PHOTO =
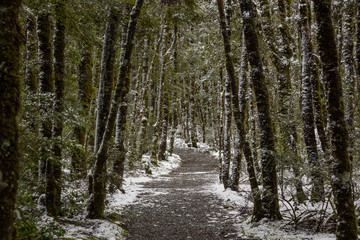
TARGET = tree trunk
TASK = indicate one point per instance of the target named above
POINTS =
(165, 109)
(270, 196)
(317, 192)
(258, 212)
(46, 88)
(174, 111)
(242, 91)
(145, 102)
(341, 169)
(227, 134)
(85, 95)
(357, 49)
(97, 201)
(53, 166)
(120, 134)
(30, 81)
(10, 98)
(192, 116)
(160, 93)
(349, 77)
(107, 76)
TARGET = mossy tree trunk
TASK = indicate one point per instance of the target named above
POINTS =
(192, 115)
(121, 119)
(106, 76)
(357, 46)
(96, 203)
(270, 190)
(85, 95)
(341, 169)
(164, 122)
(258, 212)
(53, 165)
(174, 110)
(349, 71)
(242, 91)
(31, 109)
(46, 89)
(228, 110)
(160, 95)
(281, 55)
(317, 192)
(10, 98)
(145, 102)
(30, 80)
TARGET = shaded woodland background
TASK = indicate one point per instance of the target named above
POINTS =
(272, 85)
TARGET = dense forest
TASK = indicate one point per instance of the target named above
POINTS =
(95, 92)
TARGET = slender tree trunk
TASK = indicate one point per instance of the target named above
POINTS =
(85, 95)
(349, 77)
(192, 116)
(341, 169)
(174, 111)
(106, 76)
(281, 56)
(270, 196)
(30, 81)
(97, 200)
(258, 212)
(145, 102)
(243, 86)
(46, 88)
(119, 162)
(165, 110)
(253, 131)
(53, 166)
(227, 135)
(357, 47)
(164, 127)
(220, 118)
(31, 111)
(160, 92)
(317, 192)
(10, 98)
(318, 102)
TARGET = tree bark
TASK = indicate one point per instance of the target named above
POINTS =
(10, 98)
(270, 196)
(85, 95)
(242, 91)
(106, 76)
(160, 93)
(258, 212)
(349, 74)
(46, 89)
(121, 119)
(341, 170)
(317, 192)
(53, 166)
(97, 201)
(30, 81)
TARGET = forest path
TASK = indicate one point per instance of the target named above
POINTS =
(180, 205)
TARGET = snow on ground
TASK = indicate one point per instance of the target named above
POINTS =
(133, 180)
(265, 230)
(79, 227)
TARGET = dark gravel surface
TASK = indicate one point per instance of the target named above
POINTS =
(180, 205)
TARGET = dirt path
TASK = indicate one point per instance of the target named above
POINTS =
(180, 205)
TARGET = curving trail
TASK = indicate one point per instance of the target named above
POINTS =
(180, 205)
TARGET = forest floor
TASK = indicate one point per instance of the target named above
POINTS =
(190, 203)
(179, 205)
(183, 199)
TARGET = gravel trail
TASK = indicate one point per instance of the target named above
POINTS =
(180, 205)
